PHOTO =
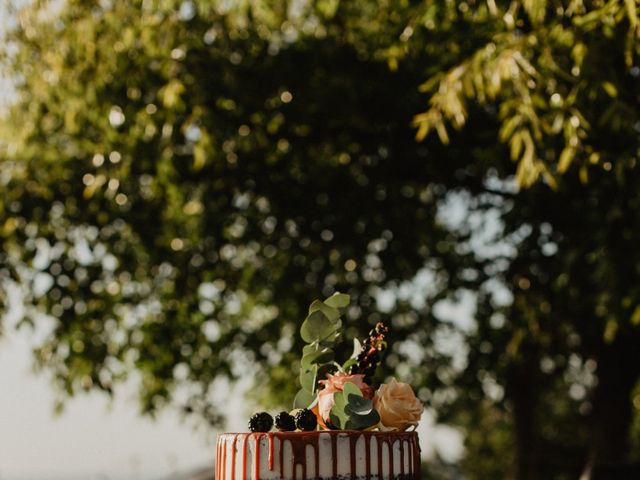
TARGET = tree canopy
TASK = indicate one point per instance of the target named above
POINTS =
(180, 179)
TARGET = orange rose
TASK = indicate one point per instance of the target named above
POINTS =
(397, 405)
(335, 383)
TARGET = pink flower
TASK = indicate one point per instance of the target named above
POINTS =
(335, 383)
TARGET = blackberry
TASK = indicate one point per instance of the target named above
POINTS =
(260, 422)
(285, 422)
(306, 420)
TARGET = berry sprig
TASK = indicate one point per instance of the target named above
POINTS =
(371, 354)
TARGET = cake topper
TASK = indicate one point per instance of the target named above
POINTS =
(340, 396)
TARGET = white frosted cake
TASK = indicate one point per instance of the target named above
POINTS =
(315, 455)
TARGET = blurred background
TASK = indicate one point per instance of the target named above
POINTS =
(180, 179)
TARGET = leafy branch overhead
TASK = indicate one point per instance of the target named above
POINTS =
(320, 330)
(544, 81)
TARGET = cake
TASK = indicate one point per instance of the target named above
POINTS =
(326, 454)
(341, 426)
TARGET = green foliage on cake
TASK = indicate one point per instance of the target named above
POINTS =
(341, 394)
(320, 330)
(351, 411)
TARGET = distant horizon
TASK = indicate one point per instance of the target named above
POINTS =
(112, 439)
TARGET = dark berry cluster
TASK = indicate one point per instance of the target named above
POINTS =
(303, 419)
(285, 422)
(260, 422)
(306, 420)
(372, 349)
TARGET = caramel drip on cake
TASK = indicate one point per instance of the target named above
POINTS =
(317, 454)
(233, 457)
(256, 460)
(379, 445)
(352, 457)
(270, 437)
(412, 450)
(416, 456)
(390, 448)
(334, 456)
(244, 457)
(220, 440)
(367, 455)
(299, 451)
(224, 461)
(282, 458)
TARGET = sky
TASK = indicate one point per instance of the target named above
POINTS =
(93, 439)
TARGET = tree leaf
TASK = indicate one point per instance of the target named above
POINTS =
(566, 157)
(536, 10)
(632, 13)
(610, 88)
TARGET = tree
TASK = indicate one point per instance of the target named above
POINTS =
(181, 179)
(180, 188)
(562, 79)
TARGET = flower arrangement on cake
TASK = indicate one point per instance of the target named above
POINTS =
(345, 399)
(342, 426)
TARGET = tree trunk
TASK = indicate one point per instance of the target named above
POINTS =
(618, 370)
(524, 399)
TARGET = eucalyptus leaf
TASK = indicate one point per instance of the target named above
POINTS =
(308, 380)
(351, 410)
(316, 327)
(330, 312)
(339, 401)
(338, 300)
(337, 415)
(350, 389)
(315, 358)
(348, 363)
(359, 406)
(307, 349)
(338, 327)
(362, 422)
(336, 421)
(303, 399)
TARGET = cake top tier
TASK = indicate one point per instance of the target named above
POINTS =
(388, 436)
(329, 454)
